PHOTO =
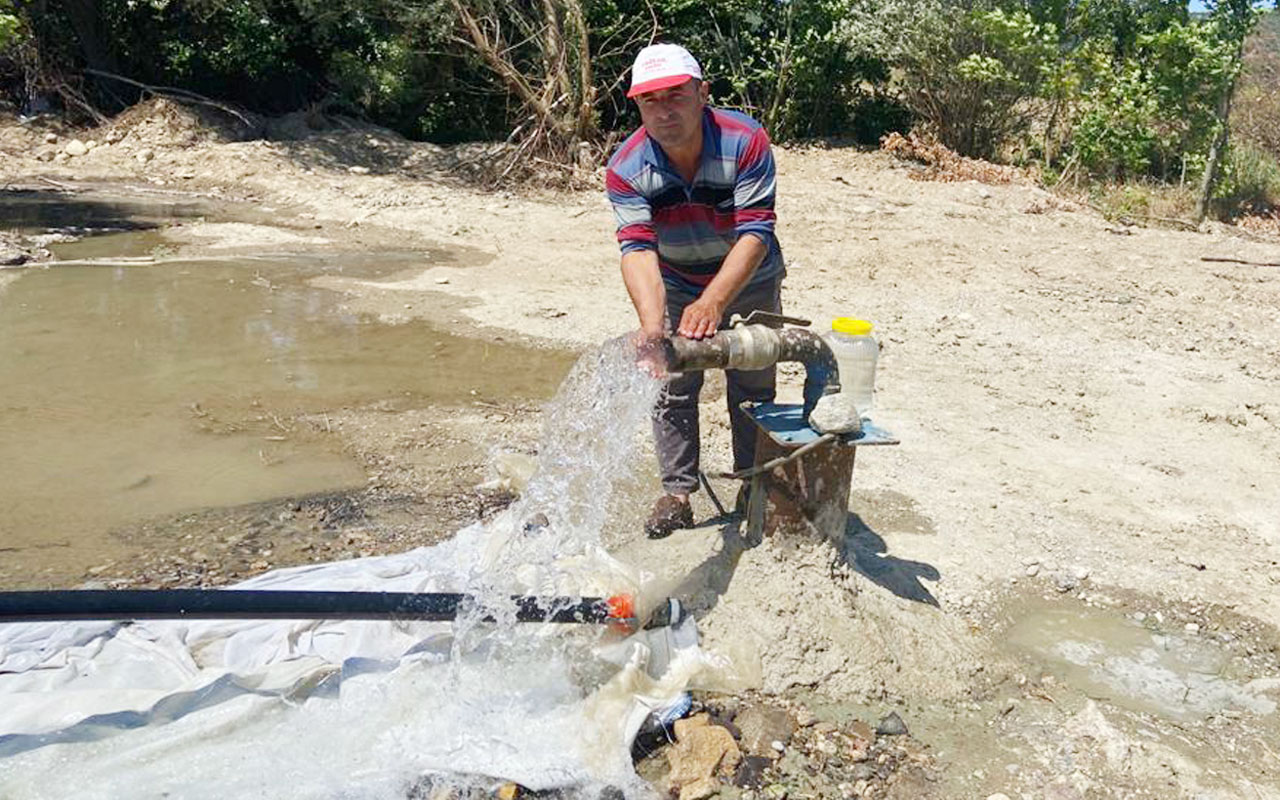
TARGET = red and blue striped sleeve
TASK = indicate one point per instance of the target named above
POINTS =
(753, 194)
(633, 213)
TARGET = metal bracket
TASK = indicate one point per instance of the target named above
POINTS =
(767, 319)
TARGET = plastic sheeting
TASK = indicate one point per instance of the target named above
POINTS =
(336, 709)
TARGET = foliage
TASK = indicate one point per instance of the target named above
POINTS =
(966, 69)
(1250, 182)
(786, 63)
(1255, 114)
(9, 23)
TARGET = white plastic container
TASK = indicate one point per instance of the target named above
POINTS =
(856, 352)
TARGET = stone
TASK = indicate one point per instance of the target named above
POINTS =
(1191, 628)
(75, 147)
(892, 725)
(835, 413)
(113, 136)
(805, 717)
(761, 726)
(358, 170)
(750, 771)
(61, 158)
(12, 257)
(701, 751)
(862, 730)
(51, 138)
(699, 789)
(1033, 570)
(509, 791)
(998, 796)
(144, 155)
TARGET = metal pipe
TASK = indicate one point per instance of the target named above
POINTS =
(45, 606)
(756, 347)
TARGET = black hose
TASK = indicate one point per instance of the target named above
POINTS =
(43, 606)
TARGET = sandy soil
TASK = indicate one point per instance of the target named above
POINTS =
(1089, 415)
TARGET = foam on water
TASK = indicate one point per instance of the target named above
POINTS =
(363, 709)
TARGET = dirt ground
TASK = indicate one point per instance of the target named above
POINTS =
(1089, 415)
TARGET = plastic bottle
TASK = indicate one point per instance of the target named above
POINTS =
(856, 351)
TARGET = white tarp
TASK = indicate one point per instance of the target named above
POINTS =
(310, 709)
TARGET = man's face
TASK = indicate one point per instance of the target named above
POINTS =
(673, 117)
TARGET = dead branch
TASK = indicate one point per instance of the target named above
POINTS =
(181, 95)
(1241, 261)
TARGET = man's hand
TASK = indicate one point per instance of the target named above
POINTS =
(651, 354)
(701, 318)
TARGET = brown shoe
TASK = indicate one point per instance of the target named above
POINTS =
(668, 514)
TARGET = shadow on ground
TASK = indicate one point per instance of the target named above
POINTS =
(866, 551)
(863, 549)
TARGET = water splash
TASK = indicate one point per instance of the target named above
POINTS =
(368, 712)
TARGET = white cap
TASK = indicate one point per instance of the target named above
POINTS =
(661, 66)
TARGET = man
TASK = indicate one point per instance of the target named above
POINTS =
(693, 191)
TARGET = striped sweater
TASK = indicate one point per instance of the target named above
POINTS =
(693, 225)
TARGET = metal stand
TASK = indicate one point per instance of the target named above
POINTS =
(802, 478)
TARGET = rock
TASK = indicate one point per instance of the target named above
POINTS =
(358, 170)
(75, 147)
(12, 257)
(1033, 570)
(761, 726)
(508, 791)
(835, 413)
(699, 789)
(805, 717)
(61, 158)
(442, 281)
(1066, 583)
(892, 725)
(113, 136)
(51, 138)
(750, 773)
(91, 144)
(144, 155)
(1081, 573)
(862, 730)
(699, 755)
(998, 796)
(702, 751)
(1191, 628)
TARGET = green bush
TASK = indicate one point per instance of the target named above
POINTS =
(1250, 181)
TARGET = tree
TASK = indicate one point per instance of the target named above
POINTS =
(1233, 20)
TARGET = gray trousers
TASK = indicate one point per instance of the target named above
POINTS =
(675, 420)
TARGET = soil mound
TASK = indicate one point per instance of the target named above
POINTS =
(165, 123)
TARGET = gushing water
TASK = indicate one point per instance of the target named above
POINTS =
(363, 709)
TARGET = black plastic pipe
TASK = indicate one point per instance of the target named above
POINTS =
(45, 606)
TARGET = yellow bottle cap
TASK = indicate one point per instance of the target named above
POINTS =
(853, 327)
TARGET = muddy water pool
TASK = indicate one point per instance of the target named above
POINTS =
(137, 391)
